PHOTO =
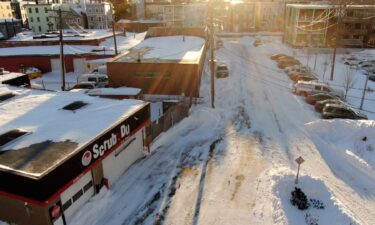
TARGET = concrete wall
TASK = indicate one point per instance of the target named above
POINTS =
(157, 78)
(12, 63)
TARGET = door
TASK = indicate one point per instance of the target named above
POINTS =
(55, 65)
(124, 156)
(79, 65)
(76, 195)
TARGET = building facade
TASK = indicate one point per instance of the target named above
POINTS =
(329, 25)
(99, 15)
(40, 18)
(6, 10)
(9, 28)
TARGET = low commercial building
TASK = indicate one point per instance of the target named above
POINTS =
(169, 65)
(50, 167)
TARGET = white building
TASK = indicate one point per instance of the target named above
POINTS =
(99, 15)
(40, 18)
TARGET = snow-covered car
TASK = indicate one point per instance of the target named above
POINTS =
(219, 44)
(297, 68)
(331, 111)
(257, 42)
(319, 105)
(222, 71)
(306, 88)
(100, 80)
(284, 62)
(351, 61)
(304, 78)
(312, 99)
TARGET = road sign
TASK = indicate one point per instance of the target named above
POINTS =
(300, 160)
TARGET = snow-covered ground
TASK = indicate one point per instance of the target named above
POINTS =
(235, 164)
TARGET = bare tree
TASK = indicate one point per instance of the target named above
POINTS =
(349, 80)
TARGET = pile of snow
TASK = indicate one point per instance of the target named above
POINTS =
(316, 191)
(354, 138)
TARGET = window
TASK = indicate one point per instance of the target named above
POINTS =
(36, 10)
(75, 105)
(40, 28)
(10, 136)
(326, 89)
(358, 26)
(47, 19)
(45, 9)
(317, 88)
(37, 19)
(31, 19)
(30, 10)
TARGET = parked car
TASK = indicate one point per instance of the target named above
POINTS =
(222, 71)
(257, 42)
(277, 56)
(312, 99)
(286, 62)
(319, 105)
(304, 77)
(296, 75)
(331, 111)
(306, 88)
(100, 80)
(219, 44)
(297, 68)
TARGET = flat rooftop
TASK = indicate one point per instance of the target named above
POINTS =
(53, 134)
(166, 49)
(128, 91)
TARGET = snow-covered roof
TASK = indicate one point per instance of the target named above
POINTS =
(9, 75)
(183, 49)
(60, 133)
(140, 21)
(126, 91)
(89, 35)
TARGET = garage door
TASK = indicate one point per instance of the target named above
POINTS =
(76, 195)
(55, 65)
(79, 66)
(123, 157)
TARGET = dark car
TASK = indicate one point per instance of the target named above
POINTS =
(257, 42)
(276, 56)
(319, 105)
(222, 71)
(312, 99)
(331, 111)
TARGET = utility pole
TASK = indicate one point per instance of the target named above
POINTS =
(62, 61)
(114, 36)
(364, 92)
(212, 62)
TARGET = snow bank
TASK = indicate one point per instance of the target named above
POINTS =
(348, 135)
(314, 189)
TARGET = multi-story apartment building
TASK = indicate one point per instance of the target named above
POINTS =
(6, 10)
(99, 15)
(176, 15)
(328, 25)
(93, 15)
(40, 18)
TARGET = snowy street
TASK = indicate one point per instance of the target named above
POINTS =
(235, 164)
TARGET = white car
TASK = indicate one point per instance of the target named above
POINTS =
(306, 88)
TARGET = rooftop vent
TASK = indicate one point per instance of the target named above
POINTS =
(10, 136)
(75, 105)
(6, 95)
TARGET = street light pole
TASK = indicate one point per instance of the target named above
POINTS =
(62, 61)
(212, 62)
(114, 36)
